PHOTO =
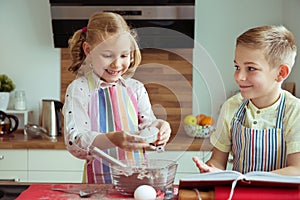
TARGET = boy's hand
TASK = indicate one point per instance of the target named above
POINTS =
(204, 167)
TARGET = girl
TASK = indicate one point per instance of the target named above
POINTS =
(104, 103)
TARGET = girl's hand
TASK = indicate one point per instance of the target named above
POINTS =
(126, 141)
(204, 167)
(164, 131)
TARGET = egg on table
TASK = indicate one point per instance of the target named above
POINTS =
(145, 192)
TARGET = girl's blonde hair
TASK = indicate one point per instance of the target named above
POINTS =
(277, 43)
(100, 26)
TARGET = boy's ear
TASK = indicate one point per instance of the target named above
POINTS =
(284, 71)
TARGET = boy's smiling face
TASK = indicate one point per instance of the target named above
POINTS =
(257, 80)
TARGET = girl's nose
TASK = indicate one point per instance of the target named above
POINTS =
(116, 63)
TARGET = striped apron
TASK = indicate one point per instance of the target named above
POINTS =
(112, 109)
(258, 150)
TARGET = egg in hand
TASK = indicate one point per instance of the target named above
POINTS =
(145, 192)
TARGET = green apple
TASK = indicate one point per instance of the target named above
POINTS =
(190, 119)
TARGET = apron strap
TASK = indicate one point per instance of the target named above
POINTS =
(281, 107)
(241, 111)
(279, 121)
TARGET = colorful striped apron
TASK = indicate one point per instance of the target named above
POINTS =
(258, 150)
(112, 109)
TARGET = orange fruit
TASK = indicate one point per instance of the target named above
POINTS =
(200, 117)
(207, 121)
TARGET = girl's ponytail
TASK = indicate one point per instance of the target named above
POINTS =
(76, 50)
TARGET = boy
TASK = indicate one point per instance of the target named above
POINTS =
(260, 125)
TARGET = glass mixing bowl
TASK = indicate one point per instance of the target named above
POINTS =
(159, 174)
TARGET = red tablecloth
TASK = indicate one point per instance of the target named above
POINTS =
(44, 192)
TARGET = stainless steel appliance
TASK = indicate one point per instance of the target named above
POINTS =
(51, 117)
(159, 23)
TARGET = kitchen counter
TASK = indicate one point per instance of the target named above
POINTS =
(182, 142)
(21, 141)
(178, 142)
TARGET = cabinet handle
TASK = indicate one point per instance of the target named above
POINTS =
(2, 157)
(10, 180)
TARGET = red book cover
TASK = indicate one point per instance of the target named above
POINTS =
(253, 185)
(254, 193)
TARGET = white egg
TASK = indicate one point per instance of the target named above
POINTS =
(145, 192)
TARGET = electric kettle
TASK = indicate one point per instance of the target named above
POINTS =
(8, 123)
(51, 117)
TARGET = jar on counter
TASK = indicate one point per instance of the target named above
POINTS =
(20, 100)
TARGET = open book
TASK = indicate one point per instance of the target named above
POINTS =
(224, 184)
(256, 178)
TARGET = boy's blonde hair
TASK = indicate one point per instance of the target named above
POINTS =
(277, 43)
(100, 26)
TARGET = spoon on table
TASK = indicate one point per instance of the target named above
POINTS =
(81, 193)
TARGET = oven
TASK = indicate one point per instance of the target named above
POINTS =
(159, 23)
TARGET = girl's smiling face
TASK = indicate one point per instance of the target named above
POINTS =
(111, 58)
(255, 77)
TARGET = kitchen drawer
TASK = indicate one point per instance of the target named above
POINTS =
(56, 160)
(17, 176)
(13, 159)
(54, 166)
(55, 176)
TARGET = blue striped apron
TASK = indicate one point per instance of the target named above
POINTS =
(258, 150)
(112, 109)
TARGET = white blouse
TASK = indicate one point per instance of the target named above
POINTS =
(77, 126)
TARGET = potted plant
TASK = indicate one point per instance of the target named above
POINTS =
(6, 86)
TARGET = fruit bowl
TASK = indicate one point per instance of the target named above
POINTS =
(198, 131)
(159, 174)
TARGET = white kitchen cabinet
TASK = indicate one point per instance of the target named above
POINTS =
(13, 165)
(57, 166)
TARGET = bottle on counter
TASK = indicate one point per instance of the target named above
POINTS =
(20, 100)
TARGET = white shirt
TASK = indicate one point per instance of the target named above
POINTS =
(77, 127)
(259, 119)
